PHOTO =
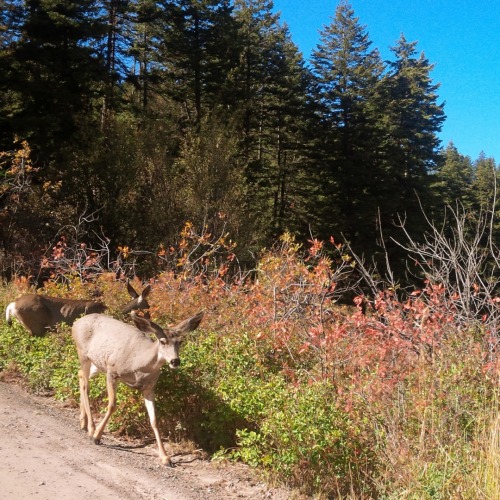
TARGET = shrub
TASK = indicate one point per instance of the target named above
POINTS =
(43, 361)
(311, 442)
(400, 402)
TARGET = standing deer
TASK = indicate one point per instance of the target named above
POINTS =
(123, 352)
(38, 313)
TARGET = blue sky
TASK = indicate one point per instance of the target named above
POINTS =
(460, 37)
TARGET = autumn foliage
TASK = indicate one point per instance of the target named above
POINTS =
(367, 399)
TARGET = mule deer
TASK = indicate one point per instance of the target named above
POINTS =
(37, 313)
(123, 352)
(138, 300)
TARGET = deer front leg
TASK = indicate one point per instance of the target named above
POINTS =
(150, 407)
(86, 421)
(83, 416)
(111, 385)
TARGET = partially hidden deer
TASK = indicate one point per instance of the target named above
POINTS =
(38, 313)
(126, 353)
(138, 301)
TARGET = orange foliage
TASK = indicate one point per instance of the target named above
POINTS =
(288, 307)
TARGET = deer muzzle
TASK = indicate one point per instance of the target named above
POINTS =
(174, 363)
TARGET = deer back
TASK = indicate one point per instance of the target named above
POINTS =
(69, 310)
(38, 312)
(128, 352)
(117, 348)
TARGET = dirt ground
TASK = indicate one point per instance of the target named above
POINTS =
(45, 455)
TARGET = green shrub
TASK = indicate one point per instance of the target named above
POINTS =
(41, 360)
(351, 406)
(308, 440)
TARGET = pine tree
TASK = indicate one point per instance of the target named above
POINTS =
(346, 71)
(270, 83)
(11, 17)
(284, 121)
(196, 53)
(453, 181)
(410, 151)
(485, 182)
(145, 34)
(113, 45)
(255, 37)
(53, 72)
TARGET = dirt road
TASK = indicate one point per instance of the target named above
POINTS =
(44, 455)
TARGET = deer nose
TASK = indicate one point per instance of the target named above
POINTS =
(174, 363)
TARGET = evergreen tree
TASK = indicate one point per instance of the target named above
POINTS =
(147, 21)
(453, 180)
(485, 182)
(113, 45)
(283, 122)
(270, 83)
(53, 73)
(196, 53)
(410, 120)
(257, 25)
(11, 16)
(346, 71)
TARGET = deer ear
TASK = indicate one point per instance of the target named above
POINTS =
(147, 326)
(146, 291)
(188, 325)
(131, 290)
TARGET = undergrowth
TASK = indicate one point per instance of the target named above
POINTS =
(399, 402)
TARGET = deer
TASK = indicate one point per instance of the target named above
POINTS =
(138, 300)
(126, 353)
(38, 313)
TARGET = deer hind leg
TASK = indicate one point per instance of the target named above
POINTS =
(86, 420)
(37, 323)
(34, 326)
(150, 407)
(111, 385)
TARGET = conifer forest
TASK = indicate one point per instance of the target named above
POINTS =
(121, 121)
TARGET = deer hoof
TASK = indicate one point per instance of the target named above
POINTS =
(97, 440)
(167, 462)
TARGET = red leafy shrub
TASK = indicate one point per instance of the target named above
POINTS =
(330, 398)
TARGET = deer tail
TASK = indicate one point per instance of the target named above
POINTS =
(10, 311)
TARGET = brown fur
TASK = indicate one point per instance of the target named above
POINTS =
(38, 313)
